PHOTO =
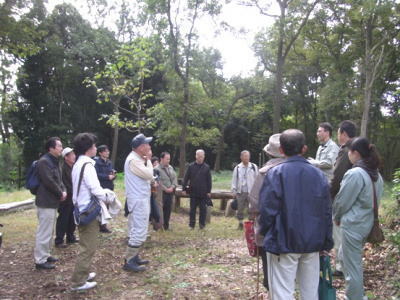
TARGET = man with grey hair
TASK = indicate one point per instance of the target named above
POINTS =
(197, 183)
(243, 178)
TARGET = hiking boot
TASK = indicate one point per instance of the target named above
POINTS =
(45, 266)
(86, 286)
(104, 229)
(52, 259)
(140, 261)
(133, 266)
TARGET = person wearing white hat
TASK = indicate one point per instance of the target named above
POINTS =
(275, 158)
(65, 221)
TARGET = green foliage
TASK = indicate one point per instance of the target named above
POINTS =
(10, 164)
(125, 78)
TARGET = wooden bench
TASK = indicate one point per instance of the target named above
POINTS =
(222, 195)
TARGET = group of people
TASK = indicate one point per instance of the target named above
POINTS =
(303, 208)
(290, 199)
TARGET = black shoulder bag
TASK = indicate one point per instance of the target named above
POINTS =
(91, 211)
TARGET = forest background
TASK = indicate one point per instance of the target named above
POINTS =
(125, 67)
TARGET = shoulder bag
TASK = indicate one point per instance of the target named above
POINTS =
(91, 211)
(376, 235)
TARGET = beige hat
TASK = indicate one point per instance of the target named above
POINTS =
(66, 151)
(272, 148)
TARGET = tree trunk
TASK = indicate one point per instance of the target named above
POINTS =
(368, 80)
(115, 137)
(220, 149)
(182, 138)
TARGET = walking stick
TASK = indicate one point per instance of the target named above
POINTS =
(258, 273)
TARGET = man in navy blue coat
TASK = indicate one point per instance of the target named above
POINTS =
(296, 218)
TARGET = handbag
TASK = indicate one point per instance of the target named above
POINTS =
(91, 211)
(250, 237)
(376, 235)
(209, 201)
(325, 289)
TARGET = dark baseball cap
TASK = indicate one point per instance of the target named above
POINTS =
(140, 139)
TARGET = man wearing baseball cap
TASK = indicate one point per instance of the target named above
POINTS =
(138, 176)
(65, 222)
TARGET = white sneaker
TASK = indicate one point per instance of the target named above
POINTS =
(91, 276)
(86, 286)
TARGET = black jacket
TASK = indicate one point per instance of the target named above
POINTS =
(342, 165)
(198, 177)
(67, 181)
(104, 168)
(51, 187)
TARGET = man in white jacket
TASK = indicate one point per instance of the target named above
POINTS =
(243, 178)
(138, 176)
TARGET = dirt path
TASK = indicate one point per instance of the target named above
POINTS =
(185, 264)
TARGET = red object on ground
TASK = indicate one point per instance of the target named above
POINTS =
(250, 237)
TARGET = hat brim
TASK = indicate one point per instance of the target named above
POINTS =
(148, 140)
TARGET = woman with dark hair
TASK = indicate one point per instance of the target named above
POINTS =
(88, 185)
(353, 211)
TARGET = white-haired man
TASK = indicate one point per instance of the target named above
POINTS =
(243, 178)
(197, 183)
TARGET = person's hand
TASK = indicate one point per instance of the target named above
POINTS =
(64, 196)
(337, 223)
(325, 253)
(111, 176)
(155, 184)
(209, 195)
(169, 190)
(184, 193)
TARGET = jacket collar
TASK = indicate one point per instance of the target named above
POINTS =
(297, 158)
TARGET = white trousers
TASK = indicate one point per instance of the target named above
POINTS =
(44, 234)
(138, 221)
(286, 269)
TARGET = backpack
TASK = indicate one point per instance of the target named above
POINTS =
(32, 178)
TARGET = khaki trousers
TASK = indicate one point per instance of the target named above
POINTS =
(44, 234)
(88, 242)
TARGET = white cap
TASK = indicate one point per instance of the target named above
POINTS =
(66, 151)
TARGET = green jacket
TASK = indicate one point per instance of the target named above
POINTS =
(167, 177)
(353, 205)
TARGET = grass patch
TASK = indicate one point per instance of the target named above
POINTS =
(15, 196)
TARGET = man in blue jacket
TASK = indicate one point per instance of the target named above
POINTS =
(296, 218)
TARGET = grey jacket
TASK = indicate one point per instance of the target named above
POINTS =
(326, 157)
(353, 205)
(51, 186)
(167, 177)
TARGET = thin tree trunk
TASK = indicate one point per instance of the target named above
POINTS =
(115, 137)
(220, 149)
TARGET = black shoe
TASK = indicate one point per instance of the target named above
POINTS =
(133, 266)
(52, 259)
(140, 261)
(338, 273)
(104, 229)
(74, 241)
(45, 266)
(201, 227)
(61, 245)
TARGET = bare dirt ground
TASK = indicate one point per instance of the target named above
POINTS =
(185, 264)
